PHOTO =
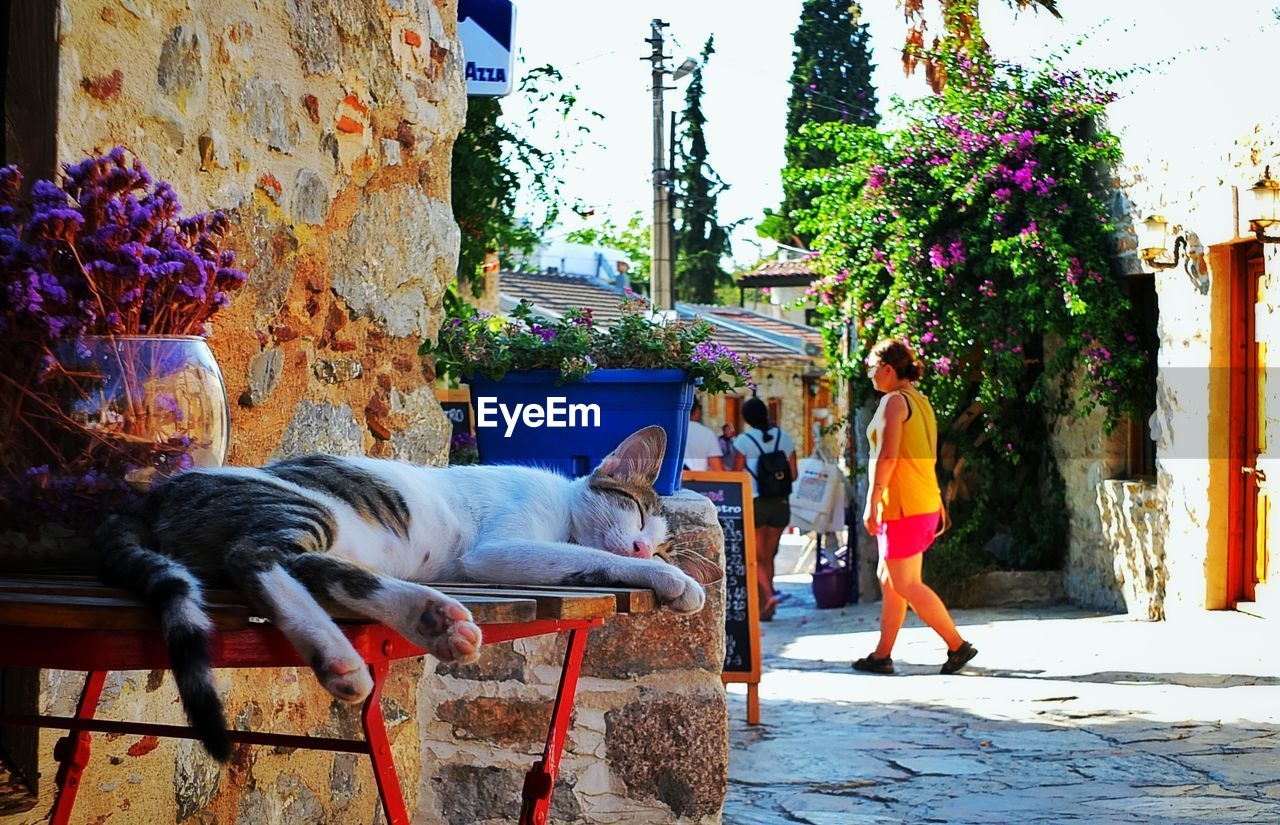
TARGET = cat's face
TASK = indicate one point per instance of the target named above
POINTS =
(618, 510)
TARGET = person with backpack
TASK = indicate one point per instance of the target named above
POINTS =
(904, 505)
(769, 455)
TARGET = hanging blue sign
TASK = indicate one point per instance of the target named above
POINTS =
(485, 28)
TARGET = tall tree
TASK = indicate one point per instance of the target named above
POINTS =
(701, 241)
(831, 81)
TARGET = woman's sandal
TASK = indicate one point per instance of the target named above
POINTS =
(958, 658)
(870, 664)
(766, 612)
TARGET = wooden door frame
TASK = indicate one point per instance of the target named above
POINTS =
(1242, 431)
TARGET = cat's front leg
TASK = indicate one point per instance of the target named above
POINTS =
(517, 561)
(437, 623)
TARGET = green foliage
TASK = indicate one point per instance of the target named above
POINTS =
(830, 83)
(576, 346)
(633, 239)
(493, 158)
(701, 241)
(978, 231)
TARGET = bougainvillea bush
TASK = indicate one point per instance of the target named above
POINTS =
(978, 230)
(105, 251)
(575, 346)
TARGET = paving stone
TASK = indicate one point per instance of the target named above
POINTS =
(1066, 716)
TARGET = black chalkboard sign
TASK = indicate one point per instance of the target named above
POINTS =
(731, 493)
(459, 415)
(456, 404)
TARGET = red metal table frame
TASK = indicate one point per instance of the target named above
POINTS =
(98, 651)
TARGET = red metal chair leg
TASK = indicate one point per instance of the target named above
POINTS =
(72, 750)
(384, 767)
(540, 781)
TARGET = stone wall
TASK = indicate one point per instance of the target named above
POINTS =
(1195, 170)
(649, 741)
(324, 129)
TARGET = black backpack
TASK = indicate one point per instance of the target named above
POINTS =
(773, 471)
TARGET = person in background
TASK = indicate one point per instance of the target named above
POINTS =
(772, 505)
(727, 454)
(904, 506)
(701, 447)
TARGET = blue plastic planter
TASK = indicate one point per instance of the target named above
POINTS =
(627, 400)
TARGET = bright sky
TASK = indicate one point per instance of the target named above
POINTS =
(600, 45)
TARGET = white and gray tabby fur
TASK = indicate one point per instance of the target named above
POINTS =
(357, 532)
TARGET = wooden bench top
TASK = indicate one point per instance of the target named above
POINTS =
(79, 601)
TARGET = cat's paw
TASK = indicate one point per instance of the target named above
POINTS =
(678, 591)
(445, 630)
(346, 677)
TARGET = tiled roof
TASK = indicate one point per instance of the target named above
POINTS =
(557, 294)
(766, 323)
(779, 273)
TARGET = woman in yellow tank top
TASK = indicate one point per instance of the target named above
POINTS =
(904, 505)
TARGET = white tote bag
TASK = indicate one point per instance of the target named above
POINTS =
(818, 492)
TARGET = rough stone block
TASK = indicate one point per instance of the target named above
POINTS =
(390, 264)
(662, 747)
(1008, 588)
(268, 110)
(310, 197)
(499, 663)
(337, 370)
(181, 70)
(319, 427)
(505, 722)
(265, 369)
(470, 794)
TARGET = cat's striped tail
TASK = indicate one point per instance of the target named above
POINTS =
(170, 589)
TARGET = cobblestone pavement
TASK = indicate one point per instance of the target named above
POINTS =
(1064, 716)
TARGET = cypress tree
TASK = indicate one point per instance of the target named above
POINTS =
(701, 242)
(831, 81)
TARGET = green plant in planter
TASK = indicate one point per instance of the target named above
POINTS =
(978, 229)
(575, 346)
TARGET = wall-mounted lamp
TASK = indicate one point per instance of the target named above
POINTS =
(1153, 243)
(1266, 202)
(1153, 248)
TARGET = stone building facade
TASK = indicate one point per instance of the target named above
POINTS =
(1196, 137)
(324, 129)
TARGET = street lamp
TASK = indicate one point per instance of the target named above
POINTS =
(660, 286)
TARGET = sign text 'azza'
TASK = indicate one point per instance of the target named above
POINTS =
(486, 29)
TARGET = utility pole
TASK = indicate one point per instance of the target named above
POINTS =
(660, 289)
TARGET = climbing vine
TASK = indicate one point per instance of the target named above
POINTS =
(978, 229)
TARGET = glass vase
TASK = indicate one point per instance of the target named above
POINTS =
(140, 408)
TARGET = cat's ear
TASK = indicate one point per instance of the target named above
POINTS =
(640, 455)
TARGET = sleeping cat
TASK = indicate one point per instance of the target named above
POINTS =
(356, 532)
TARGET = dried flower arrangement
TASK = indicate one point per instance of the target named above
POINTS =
(103, 252)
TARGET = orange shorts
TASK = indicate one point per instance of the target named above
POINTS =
(902, 538)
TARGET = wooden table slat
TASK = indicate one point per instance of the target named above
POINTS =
(93, 613)
(111, 609)
(551, 604)
(489, 603)
(627, 599)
